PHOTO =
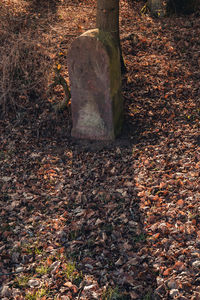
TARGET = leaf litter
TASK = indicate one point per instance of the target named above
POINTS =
(94, 220)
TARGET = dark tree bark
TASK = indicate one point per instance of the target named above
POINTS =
(107, 19)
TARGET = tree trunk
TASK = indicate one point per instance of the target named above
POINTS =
(107, 19)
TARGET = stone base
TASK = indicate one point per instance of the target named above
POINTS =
(158, 8)
(95, 79)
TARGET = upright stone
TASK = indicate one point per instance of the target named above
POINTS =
(95, 79)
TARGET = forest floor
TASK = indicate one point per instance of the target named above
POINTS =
(106, 220)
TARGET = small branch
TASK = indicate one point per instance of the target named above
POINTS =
(14, 272)
(59, 80)
(81, 290)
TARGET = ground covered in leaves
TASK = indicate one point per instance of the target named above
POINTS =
(121, 220)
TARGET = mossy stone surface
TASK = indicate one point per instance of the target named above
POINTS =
(95, 79)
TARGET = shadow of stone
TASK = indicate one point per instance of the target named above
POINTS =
(44, 7)
(198, 140)
(109, 242)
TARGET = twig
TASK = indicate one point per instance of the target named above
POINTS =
(81, 290)
(14, 272)
(59, 80)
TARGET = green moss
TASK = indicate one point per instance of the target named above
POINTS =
(115, 80)
(33, 248)
(42, 270)
(21, 281)
(117, 113)
(71, 272)
(114, 294)
(35, 295)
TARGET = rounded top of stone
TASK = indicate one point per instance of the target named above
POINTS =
(98, 34)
